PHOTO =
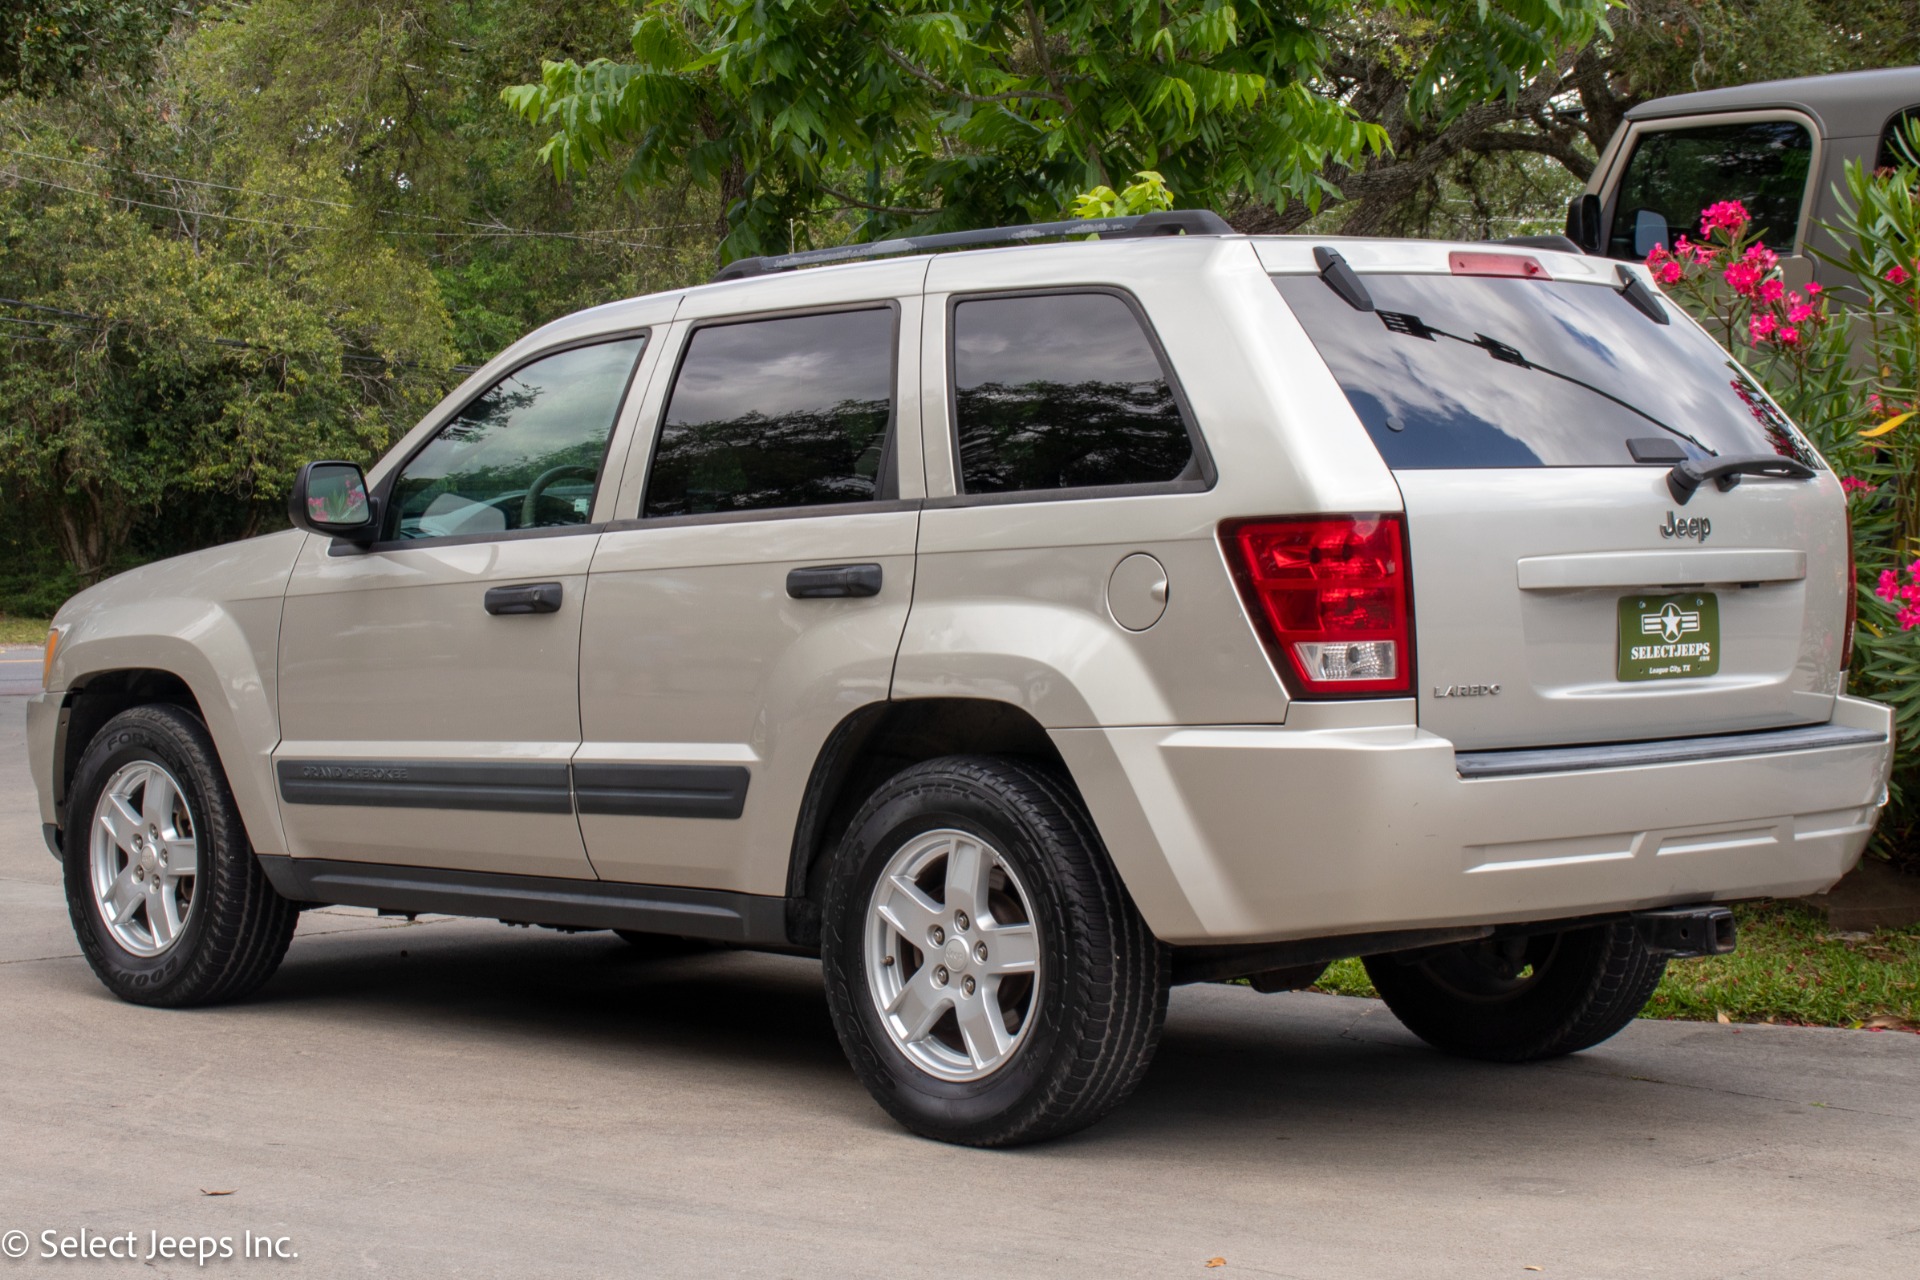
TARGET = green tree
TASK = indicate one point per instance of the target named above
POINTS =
(47, 46)
(936, 116)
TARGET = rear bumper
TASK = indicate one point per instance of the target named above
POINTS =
(1258, 834)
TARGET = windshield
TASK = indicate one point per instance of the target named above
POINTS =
(1481, 371)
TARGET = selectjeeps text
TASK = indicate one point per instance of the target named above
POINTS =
(1022, 631)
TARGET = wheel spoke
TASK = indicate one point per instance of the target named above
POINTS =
(984, 1027)
(163, 916)
(183, 856)
(121, 822)
(1011, 948)
(122, 896)
(156, 806)
(911, 912)
(919, 1005)
(967, 868)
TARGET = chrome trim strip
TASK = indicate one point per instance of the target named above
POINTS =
(1630, 755)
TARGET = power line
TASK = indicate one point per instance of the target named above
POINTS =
(494, 229)
(108, 321)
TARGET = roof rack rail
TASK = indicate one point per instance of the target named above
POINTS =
(1193, 222)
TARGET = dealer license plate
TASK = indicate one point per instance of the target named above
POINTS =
(1669, 637)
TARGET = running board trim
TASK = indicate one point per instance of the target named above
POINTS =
(1629, 755)
(745, 919)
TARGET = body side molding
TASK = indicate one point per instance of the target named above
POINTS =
(647, 790)
(662, 790)
(416, 784)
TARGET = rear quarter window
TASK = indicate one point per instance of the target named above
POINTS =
(1475, 371)
(1065, 390)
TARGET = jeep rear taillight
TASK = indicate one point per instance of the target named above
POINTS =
(1853, 604)
(1330, 597)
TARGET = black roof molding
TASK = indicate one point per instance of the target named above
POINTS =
(1171, 222)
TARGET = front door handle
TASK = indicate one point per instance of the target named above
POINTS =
(530, 597)
(825, 581)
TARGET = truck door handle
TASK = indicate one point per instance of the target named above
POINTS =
(824, 581)
(529, 597)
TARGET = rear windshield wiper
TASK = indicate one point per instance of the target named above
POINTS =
(1413, 326)
(1726, 472)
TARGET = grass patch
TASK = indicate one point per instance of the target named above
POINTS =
(22, 630)
(1790, 968)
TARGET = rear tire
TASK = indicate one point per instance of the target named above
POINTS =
(989, 978)
(168, 902)
(1523, 999)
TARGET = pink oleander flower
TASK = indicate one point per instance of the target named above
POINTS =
(1657, 255)
(1813, 288)
(1742, 277)
(1759, 255)
(1789, 335)
(1854, 484)
(1669, 273)
(1761, 325)
(1730, 214)
(1906, 595)
(1772, 291)
(1897, 275)
(1801, 314)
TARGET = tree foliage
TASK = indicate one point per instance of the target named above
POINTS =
(948, 115)
(286, 241)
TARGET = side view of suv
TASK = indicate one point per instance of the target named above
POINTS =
(1023, 631)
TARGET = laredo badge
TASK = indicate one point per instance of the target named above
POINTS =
(1669, 637)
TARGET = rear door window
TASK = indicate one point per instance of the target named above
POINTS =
(1062, 391)
(1677, 173)
(1895, 142)
(790, 411)
(1481, 371)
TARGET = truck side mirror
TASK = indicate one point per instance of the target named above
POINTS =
(1650, 231)
(331, 499)
(1583, 222)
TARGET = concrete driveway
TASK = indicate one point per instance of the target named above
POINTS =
(462, 1099)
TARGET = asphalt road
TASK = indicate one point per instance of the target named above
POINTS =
(454, 1098)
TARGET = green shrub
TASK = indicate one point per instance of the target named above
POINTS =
(1846, 369)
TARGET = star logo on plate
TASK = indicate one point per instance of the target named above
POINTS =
(1670, 623)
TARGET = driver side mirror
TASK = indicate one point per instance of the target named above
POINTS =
(331, 499)
(1649, 231)
(1583, 222)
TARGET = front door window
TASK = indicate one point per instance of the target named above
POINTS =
(1674, 174)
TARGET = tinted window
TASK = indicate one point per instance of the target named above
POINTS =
(1061, 391)
(1477, 371)
(776, 413)
(525, 454)
(1677, 173)
(1895, 140)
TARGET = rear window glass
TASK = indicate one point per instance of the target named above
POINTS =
(1479, 371)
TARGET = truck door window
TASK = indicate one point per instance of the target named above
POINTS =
(1893, 140)
(1677, 173)
(524, 454)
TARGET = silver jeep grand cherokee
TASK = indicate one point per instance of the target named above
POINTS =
(1022, 631)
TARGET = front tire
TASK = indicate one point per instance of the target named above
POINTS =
(168, 902)
(989, 978)
(1523, 999)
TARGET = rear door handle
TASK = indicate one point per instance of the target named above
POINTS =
(529, 597)
(825, 581)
